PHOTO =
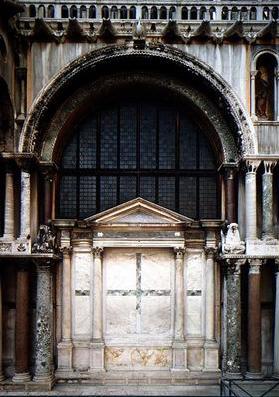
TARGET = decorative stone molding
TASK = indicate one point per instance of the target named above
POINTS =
(97, 252)
(179, 252)
(30, 141)
(269, 166)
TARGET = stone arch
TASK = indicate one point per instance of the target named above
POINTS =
(220, 106)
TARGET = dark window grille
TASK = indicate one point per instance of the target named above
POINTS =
(120, 152)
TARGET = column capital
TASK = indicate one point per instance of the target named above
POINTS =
(210, 251)
(97, 252)
(233, 266)
(48, 171)
(253, 74)
(66, 250)
(276, 262)
(255, 266)
(179, 252)
(43, 265)
(252, 165)
(269, 166)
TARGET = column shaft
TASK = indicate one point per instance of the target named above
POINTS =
(254, 319)
(276, 325)
(209, 322)
(66, 297)
(22, 327)
(179, 295)
(48, 199)
(230, 196)
(97, 295)
(253, 95)
(25, 210)
(44, 321)
(2, 377)
(267, 200)
(233, 327)
(251, 201)
(9, 225)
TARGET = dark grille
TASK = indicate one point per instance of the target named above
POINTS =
(134, 149)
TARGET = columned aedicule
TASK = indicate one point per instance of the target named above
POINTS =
(233, 318)
(276, 324)
(267, 200)
(179, 344)
(251, 199)
(44, 325)
(97, 344)
(22, 327)
(254, 319)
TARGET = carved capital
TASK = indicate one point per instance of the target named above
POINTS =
(66, 251)
(276, 262)
(179, 253)
(253, 74)
(255, 266)
(233, 266)
(210, 252)
(252, 165)
(269, 166)
(97, 252)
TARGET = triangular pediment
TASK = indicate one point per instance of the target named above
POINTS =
(138, 211)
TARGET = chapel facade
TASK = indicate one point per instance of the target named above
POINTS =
(139, 197)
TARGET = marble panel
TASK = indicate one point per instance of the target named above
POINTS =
(194, 315)
(156, 269)
(156, 315)
(120, 315)
(121, 274)
(195, 359)
(83, 263)
(194, 267)
(82, 315)
(137, 358)
(81, 358)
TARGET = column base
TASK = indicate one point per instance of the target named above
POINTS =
(233, 375)
(179, 357)
(21, 377)
(43, 382)
(97, 361)
(253, 375)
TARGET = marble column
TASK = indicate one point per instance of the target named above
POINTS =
(251, 199)
(97, 345)
(254, 319)
(230, 196)
(276, 323)
(65, 347)
(22, 326)
(267, 200)
(48, 174)
(44, 326)
(2, 377)
(179, 344)
(25, 198)
(276, 97)
(9, 222)
(253, 95)
(233, 325)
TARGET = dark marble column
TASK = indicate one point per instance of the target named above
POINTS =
(48, 172)
(44, 325)
(233, 318)
(254, 319)
(22, 326)
(230, 194)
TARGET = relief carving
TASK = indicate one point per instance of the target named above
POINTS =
(231, 242)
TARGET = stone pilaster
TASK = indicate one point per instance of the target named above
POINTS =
(267, 200)
(2, 377)
(253, 95)
(97, 345)
(9, 222)
(44, 326)
(254, 319)
(22, 327)
(251, 199)
(179, 344)
(211, 347)
(276, 323)
(65, 347)
(233, 318)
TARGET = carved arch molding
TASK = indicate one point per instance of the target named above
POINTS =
(105, 71)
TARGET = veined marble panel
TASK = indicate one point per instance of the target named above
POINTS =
(121, 274)
(121, 315)
(82, 320)
(161, 263)
(137, 358)
(156, 315)
(194, 315)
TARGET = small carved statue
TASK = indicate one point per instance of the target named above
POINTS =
(46, 240)
(262, 94)
(231, 242)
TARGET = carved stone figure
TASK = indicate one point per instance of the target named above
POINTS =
(46, 240)
(231, 242)
(262, 93)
